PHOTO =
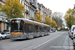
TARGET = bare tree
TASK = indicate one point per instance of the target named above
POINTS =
(57, 16)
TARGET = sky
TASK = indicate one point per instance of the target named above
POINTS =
(58, 5)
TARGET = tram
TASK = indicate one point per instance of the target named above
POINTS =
(24, 28)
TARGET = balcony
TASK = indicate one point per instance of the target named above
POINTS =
(2, 1)
(32, 4)
(27, 12)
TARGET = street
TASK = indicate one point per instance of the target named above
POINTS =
(55, 41)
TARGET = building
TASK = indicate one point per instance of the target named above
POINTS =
(26, 7)
(40, 9)
(33, 8)
(44, 12)
(30, 8)
(3, 26)
(47, 12)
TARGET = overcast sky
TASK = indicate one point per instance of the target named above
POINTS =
(58, 5)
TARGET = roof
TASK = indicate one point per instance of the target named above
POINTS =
(27, 20)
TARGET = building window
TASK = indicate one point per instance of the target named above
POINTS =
(33, 0)
(20, 1)
(2, 13)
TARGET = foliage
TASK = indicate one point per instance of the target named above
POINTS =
(13, 8)
(57, 17)
(3, 20)
(38, 17)
(0, 8)
(47, 20)
(68, 17)
(53, 24)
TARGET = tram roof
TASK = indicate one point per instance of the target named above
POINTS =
(31, 21)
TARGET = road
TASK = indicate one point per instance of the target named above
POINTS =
(54, 41)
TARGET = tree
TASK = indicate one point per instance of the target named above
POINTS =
(53, 24)
(0, 8)
(47, 21)
(13, 9)
(57, 17)
(38, 17)
(69, 17)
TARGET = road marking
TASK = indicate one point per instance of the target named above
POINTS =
(44, 42)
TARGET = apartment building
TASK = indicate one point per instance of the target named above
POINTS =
(26, 7)
(40, 9)
(30, 8)
(3, 26)
(44, 12)
(33, 8)
(47, 12)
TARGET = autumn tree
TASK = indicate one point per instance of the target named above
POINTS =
(13, 9)
(69, 17)
(47, 20)
(38, 17)
(53, 24)
(57, 17)
(0, 8)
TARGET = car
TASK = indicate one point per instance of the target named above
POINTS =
(5, 35)
(72, 30)
(74, 38)
(6, 31)
(2, 35)
(69, 33)
(50, 31)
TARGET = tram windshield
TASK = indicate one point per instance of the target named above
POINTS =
(16, 26)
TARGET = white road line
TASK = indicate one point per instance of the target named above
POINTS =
(45, 42)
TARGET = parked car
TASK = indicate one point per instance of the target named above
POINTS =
(50, 31)
(72, 31)
(6, 31)
(69, 32)
(74, 38)
(2, 35)
(5, 35)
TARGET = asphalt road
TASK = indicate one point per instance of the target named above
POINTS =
(55, 41)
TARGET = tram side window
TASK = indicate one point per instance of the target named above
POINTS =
(21, 25)
(41, 29)
(45, 29)
(26, 28)
(48, 29)
(30, 28)
(36, 28)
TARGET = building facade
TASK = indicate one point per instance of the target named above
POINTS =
(40, 9)
(33, 8)
(47, 12)
(30, 8)
(44, 12)
(3, 26)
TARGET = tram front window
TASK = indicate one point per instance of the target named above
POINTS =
(16, 26)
